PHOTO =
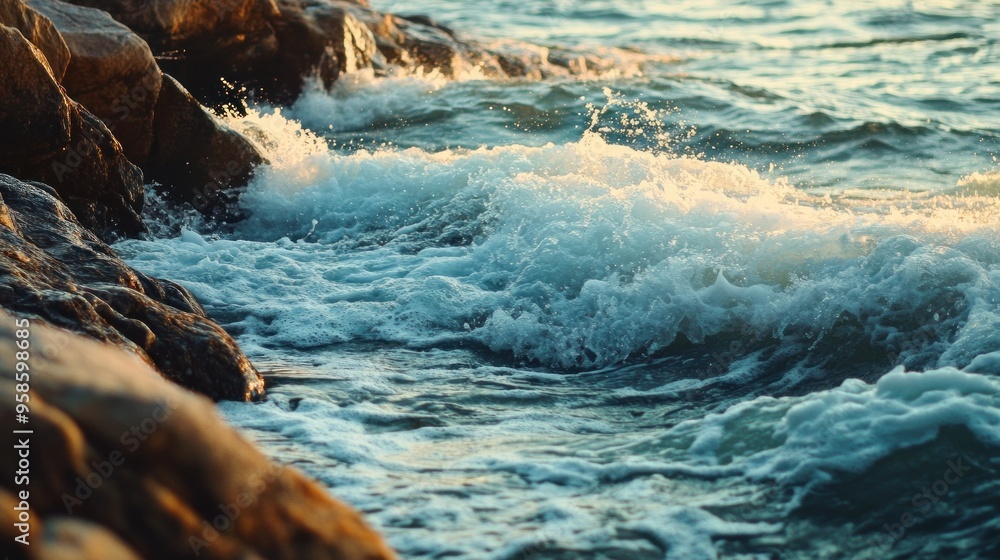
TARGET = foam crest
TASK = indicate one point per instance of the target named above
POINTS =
(812, 439)
(592, 253)
(360, 100)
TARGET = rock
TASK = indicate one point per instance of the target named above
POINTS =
(200, 41)
(39, 31)
(50, 138)
(125, 465)
(419, 42)
(318, 38)
(51, 268)
(111, 72)
(263, 45)
(193, 155)
(270, 46)
(64, 538)
(233, 28)
(196, 156)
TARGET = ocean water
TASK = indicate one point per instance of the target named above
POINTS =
(736, 295)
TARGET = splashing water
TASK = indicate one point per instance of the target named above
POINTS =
(704, 311)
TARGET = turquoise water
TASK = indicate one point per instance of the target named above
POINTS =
(736, 297)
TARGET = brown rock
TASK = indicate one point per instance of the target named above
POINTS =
(200, 41)
(50, 138)
(153, 465)
(269, 46)
(64, 538)
(40, 31)
(196, 156)
(51, 268)
(111, 72)
(419, 42)
(172, 24)
(320, 38)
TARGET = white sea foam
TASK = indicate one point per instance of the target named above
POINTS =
(360, 100)
(584, 254)
(591, 254)
(812, 439)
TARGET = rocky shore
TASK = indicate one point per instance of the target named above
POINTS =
(99, 98)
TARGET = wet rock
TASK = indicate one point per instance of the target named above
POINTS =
(48, 137)
(419, 42)
(266, 46)
(211, 30)
(316, 38)
(52, 268)
(270, 46)
(111, 72)
(125, 465)
(198, 158)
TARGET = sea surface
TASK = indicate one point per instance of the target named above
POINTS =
(736, 296)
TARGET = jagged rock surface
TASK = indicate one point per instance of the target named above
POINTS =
(270, 46)
(110, 70)
(39, 31)
(53, 269)
(200, 41)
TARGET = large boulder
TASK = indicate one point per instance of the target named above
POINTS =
(39, 31)
(270, 46)
(48, 137)
(200, 41)
(196, 157)
(111, 72)
(231, 27)
(179, 144)
(263, 45)
(124, 465)
(220, 48)
(51, 268)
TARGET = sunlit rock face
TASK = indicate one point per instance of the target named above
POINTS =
(52, 268)
(111, 72)
(271, 46)
(125, 465)
(40, 31)
(49, 137)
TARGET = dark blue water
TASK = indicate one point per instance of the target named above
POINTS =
(736, 295)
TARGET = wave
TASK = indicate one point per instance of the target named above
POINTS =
(588, 254)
